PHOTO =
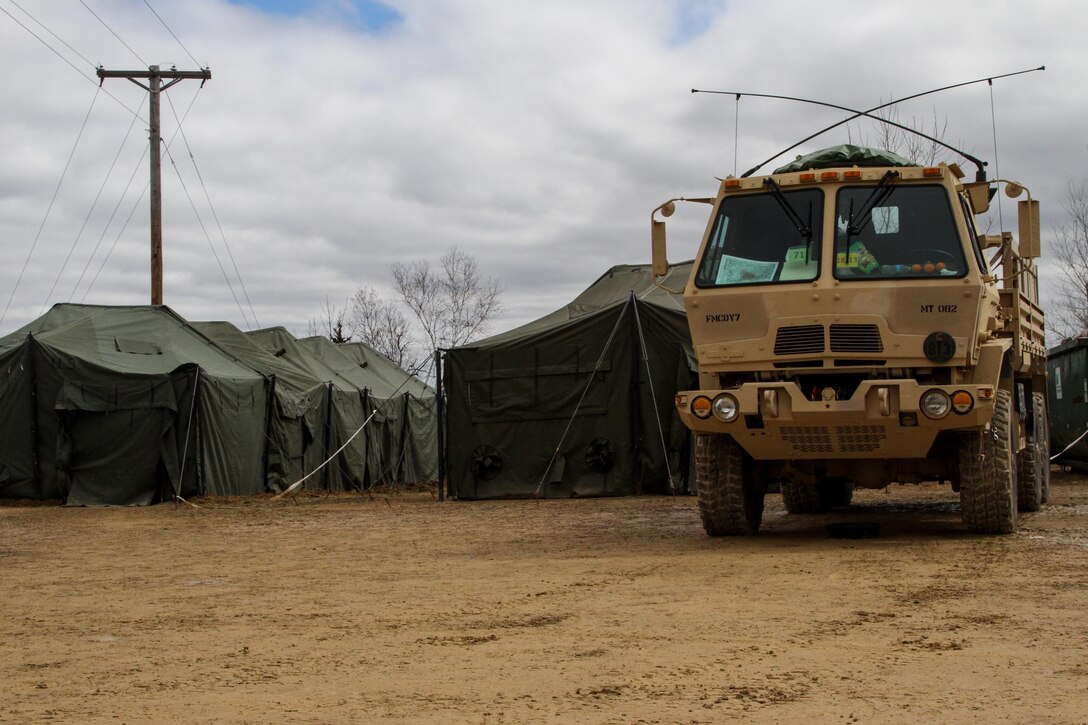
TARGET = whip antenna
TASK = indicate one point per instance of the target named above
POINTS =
(981, 165)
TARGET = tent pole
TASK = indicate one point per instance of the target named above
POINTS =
(440, 403)
(633, 392)
(328, 432)
(198, 398)
(404, 430)
(592, 376)
(653, 399)
(34, 429)
(270, 391)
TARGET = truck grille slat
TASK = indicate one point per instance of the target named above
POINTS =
(799, 340)
(856, 338)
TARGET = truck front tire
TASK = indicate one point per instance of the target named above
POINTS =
(988, 486)
(730, 499)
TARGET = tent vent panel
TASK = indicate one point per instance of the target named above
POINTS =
(136, 347)
(486, 462)
(600, 455)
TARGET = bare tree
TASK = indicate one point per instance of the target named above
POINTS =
(452, 305)
(1070, 247)
(900, 141)
(381, 324)
(330, 323)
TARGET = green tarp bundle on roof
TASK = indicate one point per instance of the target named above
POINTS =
(844, 155)
(133, 405)
(579, 402)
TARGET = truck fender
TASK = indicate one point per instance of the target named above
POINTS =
(991, 357)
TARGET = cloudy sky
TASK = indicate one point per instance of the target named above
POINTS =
(337, 137)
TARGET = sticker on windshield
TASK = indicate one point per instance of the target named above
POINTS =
(797, 255)
(737, 270)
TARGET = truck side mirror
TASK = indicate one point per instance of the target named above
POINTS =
(660, 261)
(1030, 243)
(979, 192)
(657, 239)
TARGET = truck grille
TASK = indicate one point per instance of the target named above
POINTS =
(860, 438)
(808, 438)
(843, 438)
(799, 340)
(856, 338)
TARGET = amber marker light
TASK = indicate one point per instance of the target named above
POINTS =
(931, 171)
(852, 174)
(808, 176)
(732, 183)
(829, 176)
(962, 402)
(701, 407)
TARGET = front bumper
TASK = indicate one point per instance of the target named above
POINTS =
(882, 419)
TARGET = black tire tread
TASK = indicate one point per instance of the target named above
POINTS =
(1034, 473)
(802, 498)
(988, 487)
(730, 503)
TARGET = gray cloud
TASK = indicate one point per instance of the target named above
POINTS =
(536, 136)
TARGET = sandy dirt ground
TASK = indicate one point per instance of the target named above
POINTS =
(399, 608)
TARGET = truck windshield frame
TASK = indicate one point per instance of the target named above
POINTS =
(910, 232)
(757, 239)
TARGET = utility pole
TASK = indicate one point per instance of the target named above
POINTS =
(154, 77)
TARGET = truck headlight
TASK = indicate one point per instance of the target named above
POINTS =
(725, 408)
(936, 404)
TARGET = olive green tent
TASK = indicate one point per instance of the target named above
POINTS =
(579, 402)
(346, 411)
(125, 405)
(415, 456)
(297, 422)
(398, 430)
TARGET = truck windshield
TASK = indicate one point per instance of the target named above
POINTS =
(908, 232)
(757, 240)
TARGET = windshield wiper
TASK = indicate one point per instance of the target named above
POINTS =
(803, 228)
(879, 194)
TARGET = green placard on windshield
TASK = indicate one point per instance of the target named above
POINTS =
(797, 254)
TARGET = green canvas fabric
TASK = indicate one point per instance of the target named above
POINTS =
(417, 406)
(598, 374)
(844, 155)
(385, 422)
(345, 411)
(128, 405)
(296, 426)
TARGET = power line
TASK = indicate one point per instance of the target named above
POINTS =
(207, 236)
(52, 201)
(59, 55)
(107, 27)
(105, 229)
(116, 239)
(195, 62)
(28, 14)
(215, 216)
(87, 219)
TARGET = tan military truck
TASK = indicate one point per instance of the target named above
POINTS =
(853, 328)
